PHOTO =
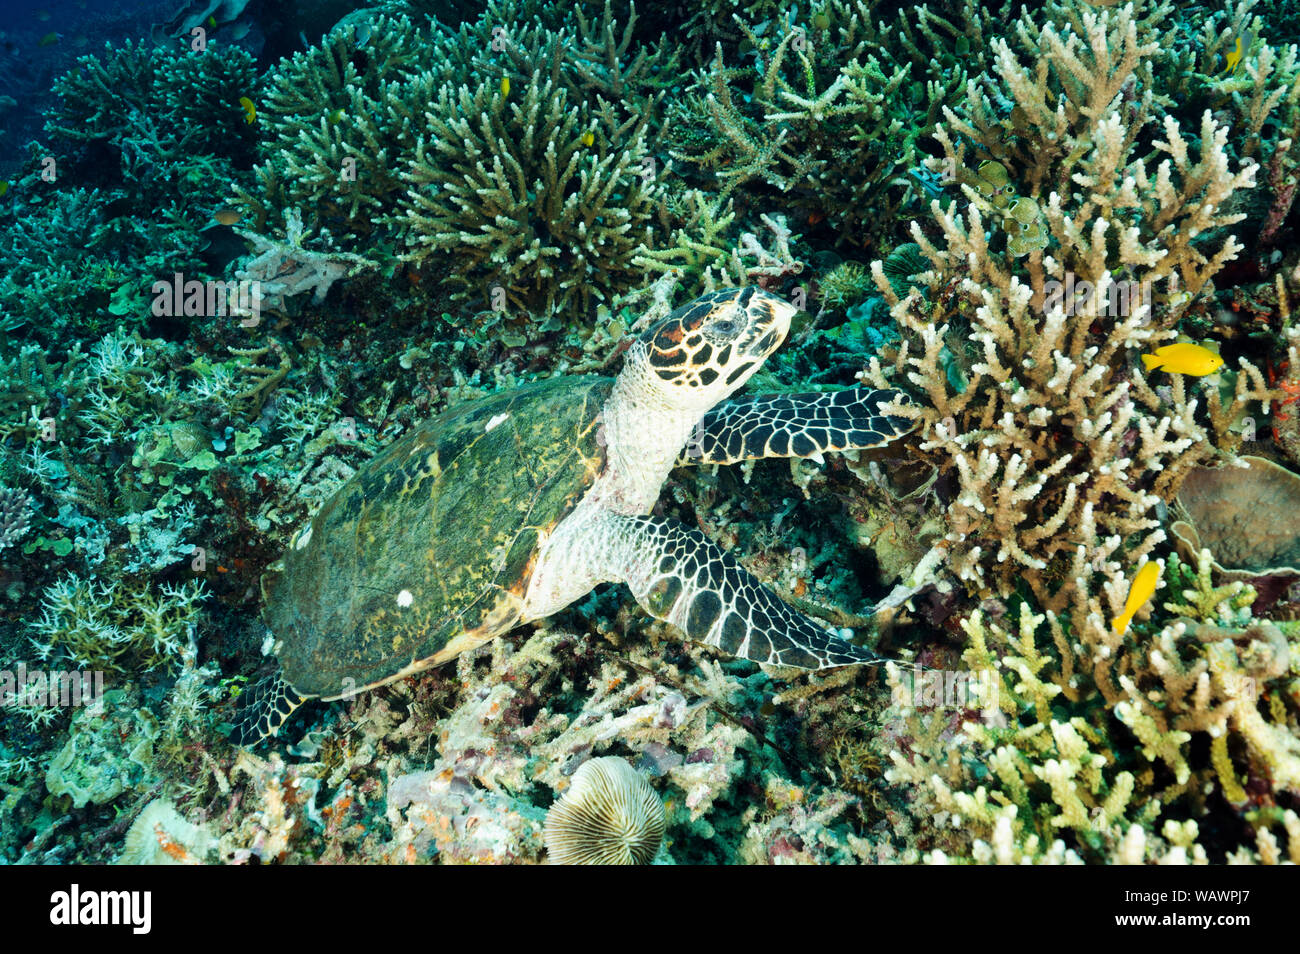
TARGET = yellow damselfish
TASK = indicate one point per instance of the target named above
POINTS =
(1183, 358)
(588, 139)
(250, 111)
(505, 86)
(1139, 591)
(1233, 57)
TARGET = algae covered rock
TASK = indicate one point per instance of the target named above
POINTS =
(109, 751)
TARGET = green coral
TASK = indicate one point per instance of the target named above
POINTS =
(533, 197)
(515, 153)
(138, 137)
(703, 233)
(1227, 605)
(337, 130)
(1087, 744)
(821, 114)
(116, 625)
(1056, 786)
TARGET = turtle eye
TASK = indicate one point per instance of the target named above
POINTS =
(725, 327)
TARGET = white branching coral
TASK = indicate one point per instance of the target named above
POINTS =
(1057, 439)
(284, 268)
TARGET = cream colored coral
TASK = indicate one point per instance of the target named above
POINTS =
(609, 816)
(161, 836)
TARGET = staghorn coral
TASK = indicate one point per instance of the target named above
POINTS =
(164, 103)
(337, 130)
(138, 137)
(1064, 784)
(413, 149)
(116, 625)
(531, 197)
(1060, 445)
(703, 235)
(824, 123)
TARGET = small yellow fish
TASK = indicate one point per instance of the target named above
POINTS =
(505, 86)
(588, 139)
(227, 215)
(4, 187)
(249, 109)
(48, 40)
(1183, 358)
(335, 116)
(1238, 51)
(212, 22)
(1139, 591)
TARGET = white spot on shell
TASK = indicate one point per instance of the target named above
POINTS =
(404, 598)
(495, 421)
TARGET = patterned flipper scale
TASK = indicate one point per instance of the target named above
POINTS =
(796, 425)
(682, 577)
(263, 708)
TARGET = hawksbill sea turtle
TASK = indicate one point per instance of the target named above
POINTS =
(507, 509)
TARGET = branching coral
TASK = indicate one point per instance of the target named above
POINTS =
(1060, 445)
(533, 197)
(1060, 768)
(337, 129)
(825, 123)
(113, 625)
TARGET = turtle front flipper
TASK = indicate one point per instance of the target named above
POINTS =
(263, 708)
(796, 425)
(679, 575)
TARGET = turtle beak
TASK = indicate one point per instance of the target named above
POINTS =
(773, 321)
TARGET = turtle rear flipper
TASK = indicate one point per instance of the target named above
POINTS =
(796, 425)
(679, 575)
(263, 707)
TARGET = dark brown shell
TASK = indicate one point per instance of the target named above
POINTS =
(429, 548)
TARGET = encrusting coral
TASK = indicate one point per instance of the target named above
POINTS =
(1244, 516)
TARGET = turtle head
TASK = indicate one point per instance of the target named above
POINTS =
(708, 348)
